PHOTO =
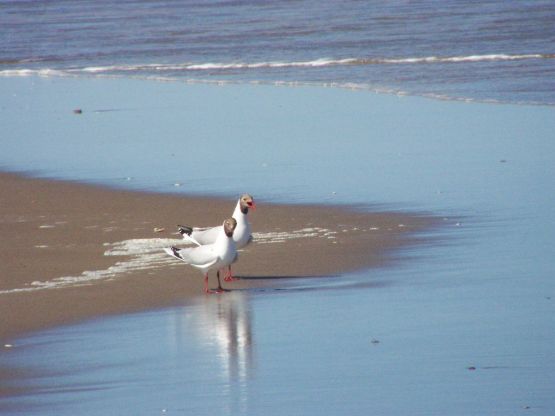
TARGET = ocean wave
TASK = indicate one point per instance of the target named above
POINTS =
(321, 62)
(209, 66)
(206, 73)
(316, 63)
(456, 59)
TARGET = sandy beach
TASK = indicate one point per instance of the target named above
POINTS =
(57, 234)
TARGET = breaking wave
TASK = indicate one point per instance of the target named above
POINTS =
(322, 62)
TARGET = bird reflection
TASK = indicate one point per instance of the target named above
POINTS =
(233, 334)
(222, 325)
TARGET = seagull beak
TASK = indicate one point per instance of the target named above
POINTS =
(251, 205)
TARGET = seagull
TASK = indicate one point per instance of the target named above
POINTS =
(242, 235)
(217, 255)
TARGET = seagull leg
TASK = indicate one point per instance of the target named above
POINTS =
(229, 277)
(220, 288)
(206, 290)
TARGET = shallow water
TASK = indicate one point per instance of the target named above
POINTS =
(282, 144)
(401, 348)
(388, 341)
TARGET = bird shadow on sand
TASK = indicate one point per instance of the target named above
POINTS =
(280, 277)
(297, 283)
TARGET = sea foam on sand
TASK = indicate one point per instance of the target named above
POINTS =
(147, 254)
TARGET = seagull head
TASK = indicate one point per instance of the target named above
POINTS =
(229, 226)
(246, 201)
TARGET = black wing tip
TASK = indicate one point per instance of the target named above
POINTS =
(175, 251)
(184, 229)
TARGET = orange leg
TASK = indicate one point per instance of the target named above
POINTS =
(206, 290)
(220, 288)
(229, 277)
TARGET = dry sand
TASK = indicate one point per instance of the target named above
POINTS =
(55, 229)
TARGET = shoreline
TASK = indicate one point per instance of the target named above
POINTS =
(72, 252)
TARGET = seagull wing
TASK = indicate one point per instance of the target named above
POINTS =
(201, 257)
(187, 237)
(203, 236)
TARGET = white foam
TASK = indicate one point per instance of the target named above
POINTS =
(141, 246)
(144, 254)
(282, 236)
(256, 65)
(321, 62)
(455, 59)
(211, 66)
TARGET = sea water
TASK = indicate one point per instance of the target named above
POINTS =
(499, 51)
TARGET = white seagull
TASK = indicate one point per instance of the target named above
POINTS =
(218, 255)
(242, 235)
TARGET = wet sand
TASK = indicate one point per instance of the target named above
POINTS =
(53, 229)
